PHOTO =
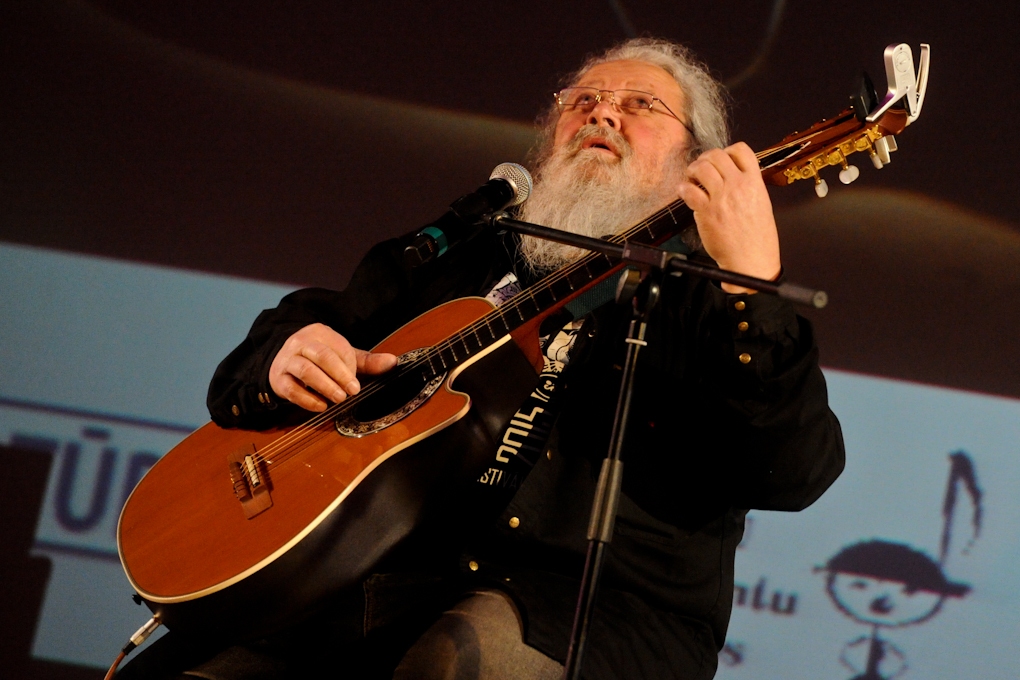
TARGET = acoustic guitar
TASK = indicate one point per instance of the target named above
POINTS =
(236, 531)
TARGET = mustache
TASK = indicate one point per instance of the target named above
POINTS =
(586, 132)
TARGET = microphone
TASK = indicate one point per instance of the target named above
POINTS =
(508, 185)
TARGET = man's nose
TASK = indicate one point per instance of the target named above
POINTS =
(604, 114)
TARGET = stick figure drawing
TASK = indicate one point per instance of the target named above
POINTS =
(887, 584)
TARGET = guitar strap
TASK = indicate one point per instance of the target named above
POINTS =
(525, 438)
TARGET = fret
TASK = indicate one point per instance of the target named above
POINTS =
(534, 303)
(502, 317)
(579, 278)
(666, 222)
(652, 229)
(453, 350)
(462, 339)
(488, 326)
(448, 358)
(439, 355)
(478, 339)
(517, 308)
(543, 298)
(601, 264)
(561, 288)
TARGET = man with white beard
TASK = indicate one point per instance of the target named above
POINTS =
(730, 410)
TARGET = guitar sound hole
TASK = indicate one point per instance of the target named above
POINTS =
(390, 399)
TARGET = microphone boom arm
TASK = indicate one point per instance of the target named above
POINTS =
(667, 261)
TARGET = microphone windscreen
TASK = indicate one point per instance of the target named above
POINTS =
(518, 177)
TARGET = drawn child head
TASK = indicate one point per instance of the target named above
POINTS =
(888, 584)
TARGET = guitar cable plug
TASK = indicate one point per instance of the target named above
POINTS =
(140, 636)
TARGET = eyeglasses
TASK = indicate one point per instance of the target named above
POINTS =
(627, 101)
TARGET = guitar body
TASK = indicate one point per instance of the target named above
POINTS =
(337, 504)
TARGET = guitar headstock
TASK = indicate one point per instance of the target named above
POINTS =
(867, 126)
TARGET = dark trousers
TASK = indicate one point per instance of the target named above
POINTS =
(401, 627)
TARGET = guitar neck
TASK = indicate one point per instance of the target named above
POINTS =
(798, 156)
(549, 293)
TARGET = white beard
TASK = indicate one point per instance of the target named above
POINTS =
(585, 192)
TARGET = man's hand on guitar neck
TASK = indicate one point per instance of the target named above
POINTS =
(731, 205)
(320, 359)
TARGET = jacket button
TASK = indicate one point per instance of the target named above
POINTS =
(742, 326)
(236, 411)
(472, 565)
(745, 358)
(739, 305)
(514, 522)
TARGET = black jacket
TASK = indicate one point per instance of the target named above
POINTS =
(725, 420)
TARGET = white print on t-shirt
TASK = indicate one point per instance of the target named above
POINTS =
(556, 349)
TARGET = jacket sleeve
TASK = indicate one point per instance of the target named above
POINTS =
(240, 395)
(781, 445)
(729, 408)
(381, 296)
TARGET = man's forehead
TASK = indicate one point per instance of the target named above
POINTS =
(631, 74)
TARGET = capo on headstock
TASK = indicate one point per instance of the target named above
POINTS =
(867, 126)
(904, 87)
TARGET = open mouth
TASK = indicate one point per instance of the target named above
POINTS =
(599, 144)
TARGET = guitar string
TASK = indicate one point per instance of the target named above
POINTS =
(564, 273)
(286, 445)
(514, 304)
(314, 424)
(332, 412)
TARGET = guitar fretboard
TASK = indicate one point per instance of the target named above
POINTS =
(547, 294)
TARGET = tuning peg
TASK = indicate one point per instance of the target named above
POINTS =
(884, 149)
(821, 187)
(848, 174)
(876, 161)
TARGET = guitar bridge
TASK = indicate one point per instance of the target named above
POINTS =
(250, 478)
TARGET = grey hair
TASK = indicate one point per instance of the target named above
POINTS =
(704, 97)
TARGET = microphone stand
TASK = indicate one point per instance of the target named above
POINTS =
(643, 292)
(650, 256)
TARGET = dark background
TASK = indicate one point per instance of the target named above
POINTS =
(278, 141)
